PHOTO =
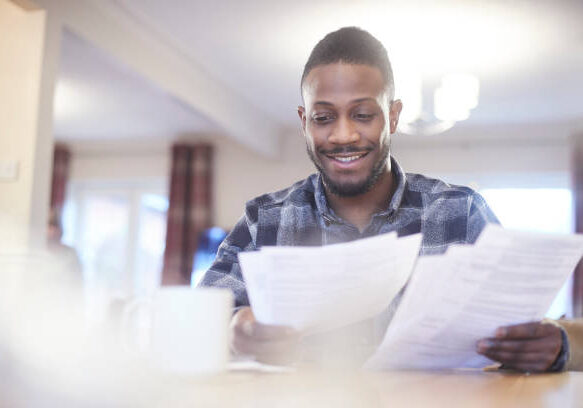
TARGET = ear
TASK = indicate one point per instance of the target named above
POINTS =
(302, 115)
(394, 112)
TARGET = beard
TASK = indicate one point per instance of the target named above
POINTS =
(354, 189)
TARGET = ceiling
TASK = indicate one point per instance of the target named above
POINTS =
(99, 98)
(528, 56)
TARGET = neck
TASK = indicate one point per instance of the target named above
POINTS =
(358, 210)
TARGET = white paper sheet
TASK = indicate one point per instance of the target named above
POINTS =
(453, 300)
(322, 288)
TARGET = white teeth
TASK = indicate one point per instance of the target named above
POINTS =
(347, 159)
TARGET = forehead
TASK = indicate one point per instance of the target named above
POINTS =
(339, 80)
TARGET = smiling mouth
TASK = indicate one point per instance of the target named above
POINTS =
(348, 159)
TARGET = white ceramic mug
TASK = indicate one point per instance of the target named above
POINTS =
(189, 331)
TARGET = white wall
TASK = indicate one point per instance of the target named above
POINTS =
(514, 147)
(492, 156)
(28, 59)
(508, 157)
(240, 173)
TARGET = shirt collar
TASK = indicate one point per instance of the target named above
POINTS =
(399, 177)
(401, 180)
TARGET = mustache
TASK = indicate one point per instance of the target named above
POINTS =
(346, 150)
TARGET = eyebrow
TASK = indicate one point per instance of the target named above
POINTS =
(352, 101)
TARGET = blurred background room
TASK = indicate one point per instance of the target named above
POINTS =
(143, 127)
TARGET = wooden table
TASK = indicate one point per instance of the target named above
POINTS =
(134, 387)
(328, 388)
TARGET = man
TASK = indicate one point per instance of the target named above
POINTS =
(348, 116)
(66, 255)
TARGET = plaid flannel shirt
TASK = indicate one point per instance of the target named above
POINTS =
(299, 215)
(444, 214)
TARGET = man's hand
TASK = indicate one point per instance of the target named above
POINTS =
(269, 344)
(531, 347)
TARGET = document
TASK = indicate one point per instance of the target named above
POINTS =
(453, 300)
(315, 289)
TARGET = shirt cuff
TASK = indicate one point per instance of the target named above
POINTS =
(561, 361)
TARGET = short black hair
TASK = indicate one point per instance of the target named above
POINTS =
(351, 45)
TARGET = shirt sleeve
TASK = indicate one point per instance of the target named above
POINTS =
(225, 271)
(479, 214)
(573, 330)
(560, 362)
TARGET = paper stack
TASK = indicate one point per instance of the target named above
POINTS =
(316, 289)
(453, 300)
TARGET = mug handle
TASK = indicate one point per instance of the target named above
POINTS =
(127, 315)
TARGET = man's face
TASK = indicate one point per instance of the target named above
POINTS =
(347, 123)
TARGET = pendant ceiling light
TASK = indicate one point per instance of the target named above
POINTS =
(453, 99)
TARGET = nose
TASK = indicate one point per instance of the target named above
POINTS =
(344, 132)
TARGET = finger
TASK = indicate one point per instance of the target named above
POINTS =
(242, 320)
(270, 332)
(246, 345)
(245, 313)
(285, 358)
(549, 344)
(533, 362)
(514, 359)
(522, 360)
(261, 332)
(525, 331)
(529, 367)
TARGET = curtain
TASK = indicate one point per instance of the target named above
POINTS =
(577, 171)
(61, 163)
(189, 210)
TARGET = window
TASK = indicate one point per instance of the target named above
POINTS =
(208, 245)
(119, 232)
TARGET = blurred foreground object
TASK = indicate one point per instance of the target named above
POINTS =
(181, 330)
(47, 357)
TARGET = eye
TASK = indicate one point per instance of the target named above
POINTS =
(364, 117)
(322, 118)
